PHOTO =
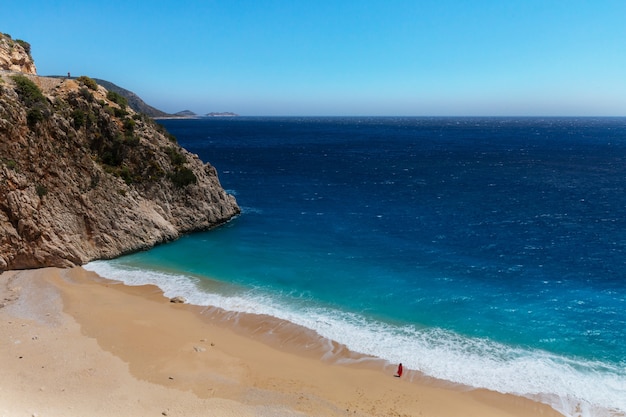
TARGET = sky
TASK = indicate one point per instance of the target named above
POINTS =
(340, 58)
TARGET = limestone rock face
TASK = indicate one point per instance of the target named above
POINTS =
(15, 56)
(83, 177)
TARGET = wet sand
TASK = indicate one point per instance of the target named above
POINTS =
(75, 344)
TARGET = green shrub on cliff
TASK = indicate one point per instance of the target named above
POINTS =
(131, 140)
(112, 152)
(24, 45)
(117, 99)
(33, 99)
(176, 157)
(34, 116)
(86, 94)
(126, 175)
(154, 171)
(183, 177)
(10, 163)
(78, 116)
(88, 82)
(28, 91)
(129, 126)
(42, 190)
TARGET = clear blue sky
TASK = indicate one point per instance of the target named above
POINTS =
(351, 57)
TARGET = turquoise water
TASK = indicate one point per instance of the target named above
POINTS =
(488, 252)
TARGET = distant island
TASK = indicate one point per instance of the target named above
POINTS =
(222, 114)
(185, 113)
(188, 114)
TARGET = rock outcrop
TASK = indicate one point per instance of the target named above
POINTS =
(15, 55)
(84, 177)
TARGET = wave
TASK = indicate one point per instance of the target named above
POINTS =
(573, 386)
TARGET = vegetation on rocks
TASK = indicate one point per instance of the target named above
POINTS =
(88, 82)
(82, 176)
(28, 91)
(15, 55)
(117, 99)
(33, 99)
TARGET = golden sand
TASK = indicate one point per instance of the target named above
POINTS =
(74, 344)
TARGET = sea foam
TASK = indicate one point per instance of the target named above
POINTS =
(574, 387)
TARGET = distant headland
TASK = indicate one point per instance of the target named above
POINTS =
(223, 114)
(188, 114)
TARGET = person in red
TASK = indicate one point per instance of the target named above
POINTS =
(399, 372)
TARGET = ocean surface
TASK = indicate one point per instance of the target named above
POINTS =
(489, 252)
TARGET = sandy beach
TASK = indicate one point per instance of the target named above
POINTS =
(75, 344)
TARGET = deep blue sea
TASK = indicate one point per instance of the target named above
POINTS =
(489, 252)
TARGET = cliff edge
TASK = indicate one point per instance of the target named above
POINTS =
(15, 55)
(84, 177)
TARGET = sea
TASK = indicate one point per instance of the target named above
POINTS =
(486, 252)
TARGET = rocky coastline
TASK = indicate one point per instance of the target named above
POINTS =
(84, 177)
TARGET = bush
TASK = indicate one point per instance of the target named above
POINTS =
(117, 99)
(88, 82)
(24, 45)
(176, 157)
(154, 171)
(10, 163)
(129, 126)
(33, 98)
(182, 177)
(113, 153)
(126, 175)
(28, 91)
(91, 120)
(34, 116)
(115, 111)
(86, 94)
(41, 190)
(131, 140)
(79, 118)
(119, 112)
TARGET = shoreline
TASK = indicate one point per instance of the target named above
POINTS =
(96, 346)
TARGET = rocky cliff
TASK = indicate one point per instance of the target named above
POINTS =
(15, 55)
(83, 177)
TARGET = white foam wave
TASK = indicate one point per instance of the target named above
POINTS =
(574, 387)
